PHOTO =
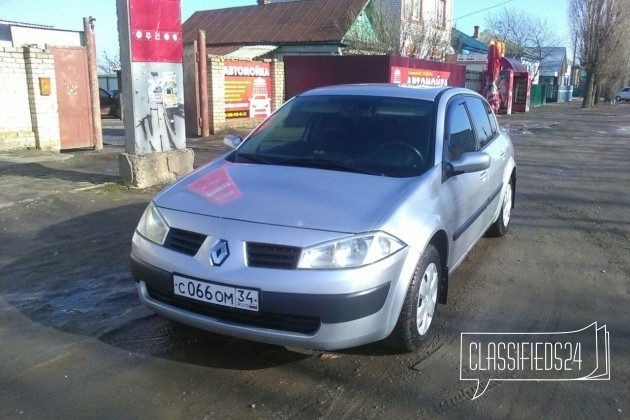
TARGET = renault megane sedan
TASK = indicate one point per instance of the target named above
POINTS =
(335, 223)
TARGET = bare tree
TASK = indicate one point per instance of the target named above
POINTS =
(525, 36)
(109, 64)
(615, 71)
(601, 30)
(382, 31)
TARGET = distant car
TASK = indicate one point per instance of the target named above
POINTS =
(335, 223)
(623, 95)
(110, 104)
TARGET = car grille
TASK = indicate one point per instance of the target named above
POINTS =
(272, 256)
(184, 241)
(299, 324)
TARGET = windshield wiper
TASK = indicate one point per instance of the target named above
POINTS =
(326, 164)
(254, 158)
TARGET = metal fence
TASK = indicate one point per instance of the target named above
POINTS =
(578, 92)
(538, 95)
(542, 94)
(108, 81)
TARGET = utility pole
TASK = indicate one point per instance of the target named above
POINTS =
(203, 83)
(90, 45)
(151, 49)
(574, 55)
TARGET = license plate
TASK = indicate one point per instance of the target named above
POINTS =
(233, 297)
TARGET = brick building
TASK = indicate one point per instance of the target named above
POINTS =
(29, 117)
(267, 32)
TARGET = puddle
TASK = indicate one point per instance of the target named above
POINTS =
(89, 310)
(528, 128)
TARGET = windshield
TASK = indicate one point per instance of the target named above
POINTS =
(374, 135)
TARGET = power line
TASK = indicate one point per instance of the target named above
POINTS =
(483, 10)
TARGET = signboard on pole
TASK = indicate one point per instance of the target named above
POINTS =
(475, 57)
(156, 31)
(151, 55)
(418, 77)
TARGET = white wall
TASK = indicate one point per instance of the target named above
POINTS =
(23, 36)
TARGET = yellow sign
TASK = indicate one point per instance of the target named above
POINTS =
(44, 86)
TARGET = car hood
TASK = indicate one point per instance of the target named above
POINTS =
(287, 196)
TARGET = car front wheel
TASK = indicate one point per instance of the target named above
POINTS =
(420, 304)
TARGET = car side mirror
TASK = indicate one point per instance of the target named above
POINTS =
(467, 163)
(232, 141)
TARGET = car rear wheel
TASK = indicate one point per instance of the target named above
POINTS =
(501, 226)
(420, 304)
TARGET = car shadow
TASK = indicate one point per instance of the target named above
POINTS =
(74, 276)
(48, 171)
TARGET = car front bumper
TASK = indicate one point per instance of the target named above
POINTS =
(363, 310)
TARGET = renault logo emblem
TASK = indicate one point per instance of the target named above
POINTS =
(219, 252)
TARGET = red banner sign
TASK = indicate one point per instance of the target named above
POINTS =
(156, 31)
(418, 77)
(247, 89)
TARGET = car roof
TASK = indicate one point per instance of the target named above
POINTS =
(386, 90)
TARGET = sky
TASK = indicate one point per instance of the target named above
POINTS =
(68, 14)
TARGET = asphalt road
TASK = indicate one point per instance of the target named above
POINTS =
(76, 343)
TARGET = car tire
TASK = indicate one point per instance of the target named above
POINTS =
(618, 99)
(502, 225)
(420, 305)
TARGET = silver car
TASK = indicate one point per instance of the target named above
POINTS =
(335, 223)
(623, 95)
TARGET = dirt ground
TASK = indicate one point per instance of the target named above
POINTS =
(76, 343)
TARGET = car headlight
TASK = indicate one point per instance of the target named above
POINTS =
(355, 251)
(152, 225)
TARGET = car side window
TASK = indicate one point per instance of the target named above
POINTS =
(492, 118)
(461, 138)
(480, 119)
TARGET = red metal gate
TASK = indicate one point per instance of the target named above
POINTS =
(73, 97)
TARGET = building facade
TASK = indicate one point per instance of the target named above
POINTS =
(421, 28)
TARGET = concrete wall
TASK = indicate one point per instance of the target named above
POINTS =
(216, 94)
(39, 63)
(28, 119)
(16, 130)
(277, 84)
